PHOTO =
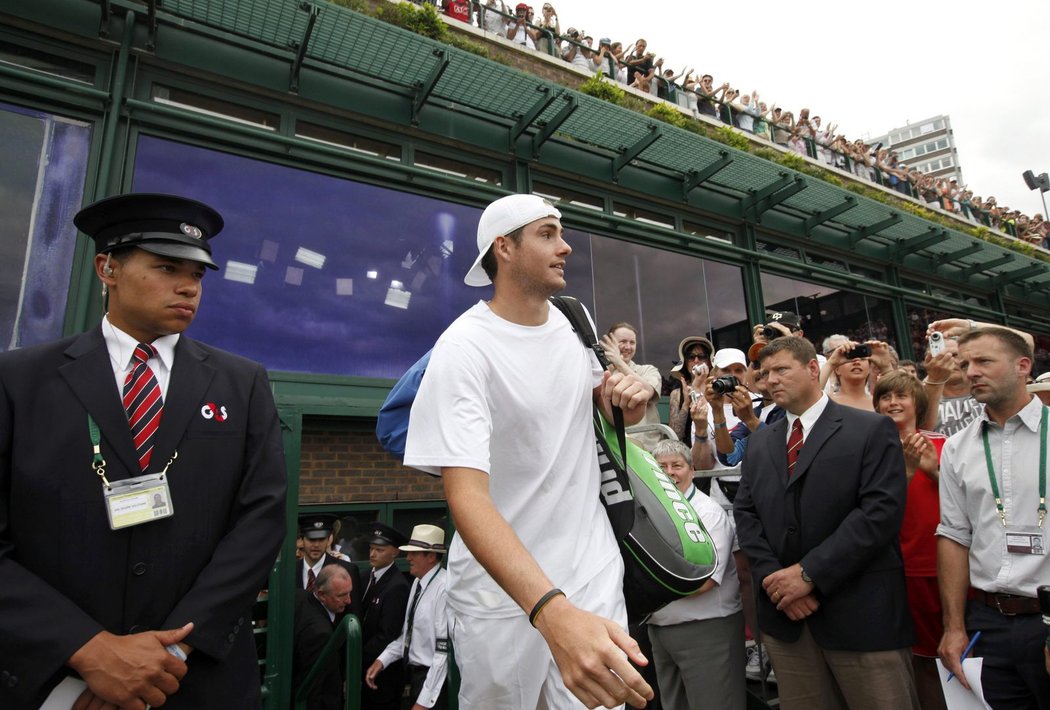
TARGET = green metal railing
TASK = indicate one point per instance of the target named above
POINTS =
(347, 633)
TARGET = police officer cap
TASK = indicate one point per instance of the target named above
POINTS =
(162, 224)
(316, 526)
(386, 535)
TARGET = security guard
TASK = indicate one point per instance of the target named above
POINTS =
(382, 615)
(144, 606)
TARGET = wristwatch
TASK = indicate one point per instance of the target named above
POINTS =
(805, 577)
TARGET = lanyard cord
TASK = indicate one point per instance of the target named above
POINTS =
(1042, 470)
(97, 462)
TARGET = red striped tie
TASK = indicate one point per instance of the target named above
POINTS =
(794, 446)
(143, 403)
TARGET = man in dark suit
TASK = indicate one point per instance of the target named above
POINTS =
(145, 606)
(818, 512)
(316, 530)
(383, 613)
(316, 613)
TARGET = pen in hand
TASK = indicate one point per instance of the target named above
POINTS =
(965, 653)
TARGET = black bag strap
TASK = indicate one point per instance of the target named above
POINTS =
(574, 311)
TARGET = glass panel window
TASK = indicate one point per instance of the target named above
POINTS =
(47, 63)
(216, 107)
(329, 136)
(45, 161)
(317, 273)
(826, 311)
(666, 297)
(458, 169)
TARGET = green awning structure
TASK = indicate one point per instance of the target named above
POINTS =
(613, 143)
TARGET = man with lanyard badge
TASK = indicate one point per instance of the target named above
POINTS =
(991, 550)
(141, 605)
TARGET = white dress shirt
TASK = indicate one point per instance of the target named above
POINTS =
(968, 513)
(429, 635)
(121, 347)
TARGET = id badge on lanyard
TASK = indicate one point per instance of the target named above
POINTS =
(132, 501)
(1022, 539)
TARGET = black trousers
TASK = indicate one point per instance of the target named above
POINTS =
(1014, 675)
(417, 676)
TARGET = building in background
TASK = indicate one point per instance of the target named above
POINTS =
(927, 145)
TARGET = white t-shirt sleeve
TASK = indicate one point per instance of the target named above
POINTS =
(450, 423)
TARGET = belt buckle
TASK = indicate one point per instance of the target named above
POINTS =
(999, 605)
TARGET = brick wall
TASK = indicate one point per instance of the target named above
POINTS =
(342, 462)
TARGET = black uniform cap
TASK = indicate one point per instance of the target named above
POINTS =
(316, 526)
(386, 535)
(162, 224)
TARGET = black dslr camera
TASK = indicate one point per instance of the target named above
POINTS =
(724, 385)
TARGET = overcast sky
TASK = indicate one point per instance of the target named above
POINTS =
(867, 67)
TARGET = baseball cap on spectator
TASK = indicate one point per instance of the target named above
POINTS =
(791, 320)
(521, 6)
(604, 40)
(727, 356)
(687, 343)
(500, 218)
(754, 350)
(1041, 384)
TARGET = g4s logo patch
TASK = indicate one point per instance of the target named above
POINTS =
(213, 411)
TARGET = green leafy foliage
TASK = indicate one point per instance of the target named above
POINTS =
(725, 134)
(667, 114)
(599, 88)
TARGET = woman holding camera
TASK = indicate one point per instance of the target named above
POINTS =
(856, 367)
(690, 378)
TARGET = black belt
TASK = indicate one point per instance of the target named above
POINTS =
(1008, 604)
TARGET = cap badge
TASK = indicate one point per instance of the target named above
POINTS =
(191, 230)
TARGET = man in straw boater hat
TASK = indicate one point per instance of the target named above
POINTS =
(504, 415)
(423, 644)
(146, 606)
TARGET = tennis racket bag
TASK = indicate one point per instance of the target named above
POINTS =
(667, 552)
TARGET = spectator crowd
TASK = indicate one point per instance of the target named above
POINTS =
(636, 66)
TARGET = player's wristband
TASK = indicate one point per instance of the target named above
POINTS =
(544, 600)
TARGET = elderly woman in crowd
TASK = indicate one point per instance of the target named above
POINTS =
(902, 398)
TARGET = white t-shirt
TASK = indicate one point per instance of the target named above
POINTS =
(515, 402)
(724, 599)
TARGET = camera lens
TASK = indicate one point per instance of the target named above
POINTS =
(769, 332)
(724, 385)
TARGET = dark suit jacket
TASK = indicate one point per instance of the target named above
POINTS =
(66, 576)
(313, 628)
(355, 577)
(383, 615)
(839, 516)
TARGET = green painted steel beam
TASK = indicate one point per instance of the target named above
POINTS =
(829, 214)
(631, 152)
(870, 230)
(1021, 274)
(931, 236)
(695, 178)
(985, 266)
(547, 97)
(949, 257)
